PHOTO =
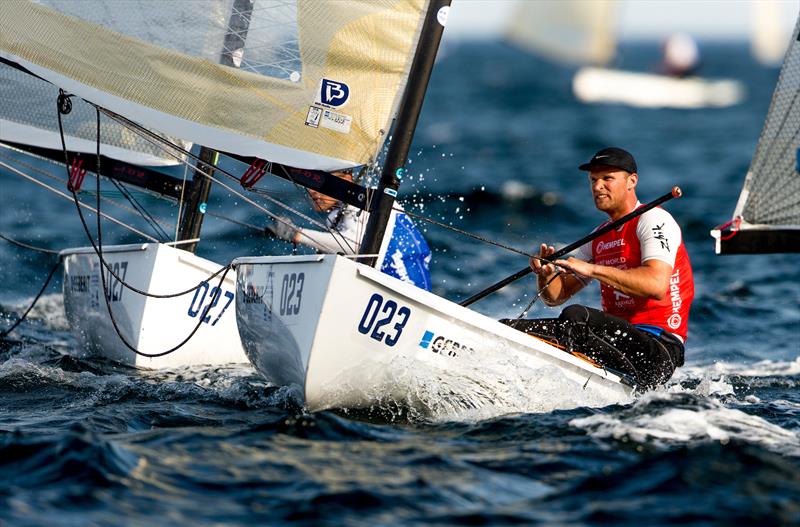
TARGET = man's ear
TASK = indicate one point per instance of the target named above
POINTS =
(632, 180)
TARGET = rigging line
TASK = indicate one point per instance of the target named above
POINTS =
(106, 296)
(26, 246)
(140, 209)
(35, 300)
(465, 233)
(103, 262)
(78, 202)
(160, 141)
(237, 222)
(332, 231)
(538, 295)
(55, 178)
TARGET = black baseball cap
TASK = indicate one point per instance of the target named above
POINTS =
(611, 157)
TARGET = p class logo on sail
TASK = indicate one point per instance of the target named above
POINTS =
(333, 93)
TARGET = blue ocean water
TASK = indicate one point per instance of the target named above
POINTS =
(85, 442)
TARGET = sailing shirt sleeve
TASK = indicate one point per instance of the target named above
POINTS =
(659, 236)
(343, 236)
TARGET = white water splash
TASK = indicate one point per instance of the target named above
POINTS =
(49, 309)
(494, 383)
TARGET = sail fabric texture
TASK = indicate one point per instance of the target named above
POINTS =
(771, 192)
(575, 31)
(28, 116)
(307, 83)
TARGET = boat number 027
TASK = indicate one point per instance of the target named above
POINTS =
(200, 295)
(113, 285)
(291, 293)
(380, 314)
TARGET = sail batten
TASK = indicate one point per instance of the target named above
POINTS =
(322, 96)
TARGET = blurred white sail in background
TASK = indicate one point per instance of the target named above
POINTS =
(576, 31)
(769, 35)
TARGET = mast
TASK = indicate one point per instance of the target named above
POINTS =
(404, 127)
(231, 55)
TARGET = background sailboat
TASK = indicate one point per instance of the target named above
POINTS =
(584, 32)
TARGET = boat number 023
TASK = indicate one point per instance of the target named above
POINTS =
(291, 293)
(200, 295)
(378, 315)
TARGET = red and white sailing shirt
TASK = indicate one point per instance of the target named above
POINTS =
(653, 235)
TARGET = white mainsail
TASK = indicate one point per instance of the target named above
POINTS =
(317, 86)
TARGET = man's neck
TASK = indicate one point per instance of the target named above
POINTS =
(630, 206)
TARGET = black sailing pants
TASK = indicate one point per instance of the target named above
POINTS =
(611, 342)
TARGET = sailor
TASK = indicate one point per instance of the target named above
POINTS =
(404, 253)
(681, 58)
(645, 280)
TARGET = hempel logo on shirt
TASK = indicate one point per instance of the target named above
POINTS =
(604, 246)
(674, 321)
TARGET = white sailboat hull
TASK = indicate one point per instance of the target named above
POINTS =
(351, 337)
(644, 90)
(151, 325)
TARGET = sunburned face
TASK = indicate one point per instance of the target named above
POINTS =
(323, 203)
(613, 190)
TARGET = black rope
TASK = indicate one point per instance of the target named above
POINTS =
(26, 246)
(106, 296)
(202, 316)
(38, 296)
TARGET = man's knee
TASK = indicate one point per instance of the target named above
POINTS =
(575, 313)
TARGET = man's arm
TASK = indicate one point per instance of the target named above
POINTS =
(650, 280)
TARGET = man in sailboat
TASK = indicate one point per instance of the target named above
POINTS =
(645, 280)
(404, 252)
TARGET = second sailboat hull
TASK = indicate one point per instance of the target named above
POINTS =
(150, 325)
